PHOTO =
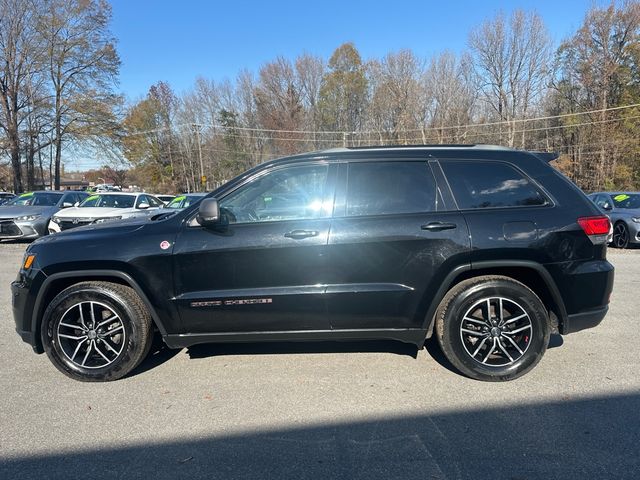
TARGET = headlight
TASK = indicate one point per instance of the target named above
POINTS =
(27, 218)
(636, 219)
(107, 219)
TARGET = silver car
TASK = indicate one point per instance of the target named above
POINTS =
(623, 208)
(27, 216)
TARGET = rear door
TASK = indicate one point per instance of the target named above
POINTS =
(394, 236)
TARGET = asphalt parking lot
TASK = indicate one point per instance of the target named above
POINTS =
(373, 410)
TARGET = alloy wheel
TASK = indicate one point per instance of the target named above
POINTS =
(620, 236)
(91, 335)
(496, 331)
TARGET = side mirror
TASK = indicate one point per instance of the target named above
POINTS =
(208, 212)
(143, 206)
(607, 206)
(67, 204)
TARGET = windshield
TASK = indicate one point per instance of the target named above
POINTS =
(626, 200)
(183, 201)
(110, 201)
(43, 199)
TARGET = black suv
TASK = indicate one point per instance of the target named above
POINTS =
(488, 248)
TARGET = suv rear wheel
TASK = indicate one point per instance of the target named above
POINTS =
(492, 328)
(96, 331)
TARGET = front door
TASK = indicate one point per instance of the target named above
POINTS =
(264, 271)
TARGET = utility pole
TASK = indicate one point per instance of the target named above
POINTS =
(203, 179)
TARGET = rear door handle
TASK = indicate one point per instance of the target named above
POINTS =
(438, 226)
(299, 234)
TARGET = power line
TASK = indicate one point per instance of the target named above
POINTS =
(373, 132)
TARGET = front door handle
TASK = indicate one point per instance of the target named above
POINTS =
(299, 234)
(438, 226)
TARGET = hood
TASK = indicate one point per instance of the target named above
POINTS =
(13, 211)
(93, 212)
(99, 231)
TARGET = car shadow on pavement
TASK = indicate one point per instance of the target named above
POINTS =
(432, 346)
(270, 348)
(568, 437)
(158, 354)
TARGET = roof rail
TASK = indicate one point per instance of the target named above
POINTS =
(478, 146)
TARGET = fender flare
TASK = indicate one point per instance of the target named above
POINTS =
(39, 308)
(446, 285)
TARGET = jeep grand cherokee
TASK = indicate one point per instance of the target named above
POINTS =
(487, 248)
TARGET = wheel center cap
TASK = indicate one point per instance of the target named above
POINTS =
(92, 335)
(495, 331)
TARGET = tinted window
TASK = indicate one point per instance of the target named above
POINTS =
(69, 198)
(626, 200)
(43, 199)
(380, 188)
(112, 201)
(285, 194)
(154, 202)
(478, 184)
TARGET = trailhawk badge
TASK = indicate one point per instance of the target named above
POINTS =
(164, 245)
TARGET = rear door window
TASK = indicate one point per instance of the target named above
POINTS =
(486, 184)
(384, 188)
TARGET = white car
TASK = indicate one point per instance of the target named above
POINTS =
(104, 207)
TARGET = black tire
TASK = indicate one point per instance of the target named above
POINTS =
(620, 235)
(456, 315)
(123, 342)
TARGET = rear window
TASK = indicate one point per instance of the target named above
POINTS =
(478, 184)
(381, 188)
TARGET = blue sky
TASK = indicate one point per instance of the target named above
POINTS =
(176, 41)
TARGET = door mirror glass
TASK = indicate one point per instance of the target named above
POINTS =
(208, 212)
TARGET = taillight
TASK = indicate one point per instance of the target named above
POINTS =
(597, 228)
(595, 225)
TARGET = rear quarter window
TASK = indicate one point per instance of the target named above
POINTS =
(486, 184)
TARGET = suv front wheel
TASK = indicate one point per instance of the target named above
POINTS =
(492, 328)
(96, 331)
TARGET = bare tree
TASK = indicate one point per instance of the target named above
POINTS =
(512, 58)
(449, 97)
(83, 67)
(19, 58)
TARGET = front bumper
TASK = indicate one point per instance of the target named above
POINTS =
(634, 232)
(13, 230)
(23, 303)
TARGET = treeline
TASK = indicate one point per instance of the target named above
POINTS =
(58, 70)
(511, 87)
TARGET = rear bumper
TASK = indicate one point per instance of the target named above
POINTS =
(582, 321)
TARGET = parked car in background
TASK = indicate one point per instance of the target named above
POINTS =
(166, 199)
(105, 207)
(623, 208)
(183, 201)
(27, 216)
(5, 197)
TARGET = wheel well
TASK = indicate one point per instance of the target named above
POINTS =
(527, 276)
(58, 285)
